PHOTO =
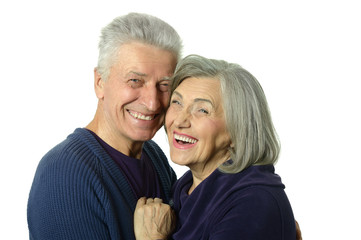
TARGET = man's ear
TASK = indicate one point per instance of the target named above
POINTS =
(98, 84)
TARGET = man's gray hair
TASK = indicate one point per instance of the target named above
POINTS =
(248, 119)
(135, 27)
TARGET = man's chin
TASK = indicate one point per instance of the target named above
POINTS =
(143, 136)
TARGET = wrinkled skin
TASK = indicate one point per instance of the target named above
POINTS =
(153, 220)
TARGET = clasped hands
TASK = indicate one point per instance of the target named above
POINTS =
(153, 219)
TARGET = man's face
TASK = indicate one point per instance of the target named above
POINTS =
(135, 96)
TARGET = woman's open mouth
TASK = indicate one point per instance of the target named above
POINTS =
(183, 141)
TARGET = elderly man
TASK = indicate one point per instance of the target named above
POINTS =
(87, 186)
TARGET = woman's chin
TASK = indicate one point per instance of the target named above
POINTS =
(179, 161)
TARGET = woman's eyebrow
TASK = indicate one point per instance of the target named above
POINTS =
(196, 99)
(203, 100)
(178, 94)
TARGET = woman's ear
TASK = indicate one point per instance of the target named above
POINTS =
(98, 84)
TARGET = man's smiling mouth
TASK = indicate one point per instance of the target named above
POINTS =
(138, 115)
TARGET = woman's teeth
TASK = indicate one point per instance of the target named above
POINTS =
(184, 139)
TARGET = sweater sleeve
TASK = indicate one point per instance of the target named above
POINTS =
(254, 215)
(66, 200)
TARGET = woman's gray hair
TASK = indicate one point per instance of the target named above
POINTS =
(248, 119)
(135, 27)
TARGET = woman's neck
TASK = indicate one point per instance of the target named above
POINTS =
(199, 177)
(201, 171)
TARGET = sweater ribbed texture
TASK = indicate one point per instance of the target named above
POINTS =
(79, 192)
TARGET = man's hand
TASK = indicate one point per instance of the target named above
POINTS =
(298, 232)
(153, 219)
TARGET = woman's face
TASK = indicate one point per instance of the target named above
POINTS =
(196, 126)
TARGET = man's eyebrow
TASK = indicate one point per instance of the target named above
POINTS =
(166, 78)
(137, 73)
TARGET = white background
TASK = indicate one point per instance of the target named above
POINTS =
(306, 54)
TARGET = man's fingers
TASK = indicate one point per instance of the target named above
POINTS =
(158, 200)
(153, 219)
(154, 200)
(141, 202)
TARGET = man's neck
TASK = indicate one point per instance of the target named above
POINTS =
(125, 146)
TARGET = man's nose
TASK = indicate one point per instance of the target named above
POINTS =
(151, 98)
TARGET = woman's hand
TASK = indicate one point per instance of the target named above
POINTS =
(153, 219)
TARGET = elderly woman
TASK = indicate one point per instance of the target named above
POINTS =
(219, 125)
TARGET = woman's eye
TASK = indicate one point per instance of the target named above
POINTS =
(175, 102)
(202, 110)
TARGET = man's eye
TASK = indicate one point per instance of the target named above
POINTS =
(135, 83)
(163, 87)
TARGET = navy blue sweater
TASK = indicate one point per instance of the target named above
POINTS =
(79, 192)
(248, 205)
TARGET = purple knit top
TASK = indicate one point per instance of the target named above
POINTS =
(140, 173)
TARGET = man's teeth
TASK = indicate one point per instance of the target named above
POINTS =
(141, 116)
(184, 139)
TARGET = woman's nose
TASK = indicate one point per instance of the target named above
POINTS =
(182, 119)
